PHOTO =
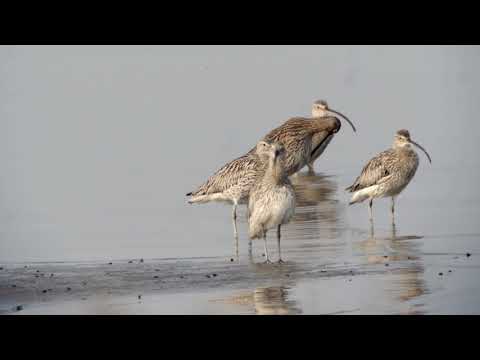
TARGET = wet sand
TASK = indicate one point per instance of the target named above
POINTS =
(331, 268)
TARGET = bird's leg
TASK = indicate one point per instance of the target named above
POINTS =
(311, 170)
(265, 245)
(371, 210)
(235, 233)
(236, 250)
(249, 239)
(393, 210)
(234, 220)
(280, 261)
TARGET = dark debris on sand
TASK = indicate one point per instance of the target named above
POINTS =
(468, 254)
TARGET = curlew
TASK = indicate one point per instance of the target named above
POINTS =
(272, 199)
(232, 182)
(388, 173)
(296, 136)
(319, 143)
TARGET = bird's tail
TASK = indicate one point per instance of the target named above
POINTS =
(197, 199)
(204, 198)
(362, 195)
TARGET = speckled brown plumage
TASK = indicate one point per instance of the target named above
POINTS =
(296, 136)
(232, 182)
(388, 173)
(272, 199)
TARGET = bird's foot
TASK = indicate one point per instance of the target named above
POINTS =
(280, 261)
(267, 261)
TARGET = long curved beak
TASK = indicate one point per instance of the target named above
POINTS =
(343, 116)
(421, 148)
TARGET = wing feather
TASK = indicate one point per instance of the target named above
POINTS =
(228, 175)
(374, 172)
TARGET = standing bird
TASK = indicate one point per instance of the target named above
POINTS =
(388, 173)
(296, 135)
(272, 199)
(319, 143)
(232, 182)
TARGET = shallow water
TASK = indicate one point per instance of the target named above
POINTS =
(100, 144)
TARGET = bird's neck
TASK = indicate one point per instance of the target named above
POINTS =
(405, 150)
(319, 113)
(275, 172)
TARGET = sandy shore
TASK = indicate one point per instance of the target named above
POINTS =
(383, 284)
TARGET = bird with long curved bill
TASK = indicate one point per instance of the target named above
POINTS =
(319, 142)
(388, 173)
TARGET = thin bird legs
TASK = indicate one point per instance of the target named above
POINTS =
(280, 261)
(393, 210)
(370, 210)
(265, 245)
(235, 232)
(234, 220)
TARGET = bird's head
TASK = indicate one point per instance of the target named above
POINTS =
(320, 108)
(403, 140)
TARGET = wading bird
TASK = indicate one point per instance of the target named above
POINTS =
(272, 199)
(319, 143)
(296, 135)
(232, 182)
(388, 173)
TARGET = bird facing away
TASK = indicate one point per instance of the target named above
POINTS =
(272, 199)
(232, 182)
(319, 143)
(388, 173)
(296, 135)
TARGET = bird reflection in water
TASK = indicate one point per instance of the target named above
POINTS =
(403, 257)
(270, 300)
(274, 301)
(315, 223)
